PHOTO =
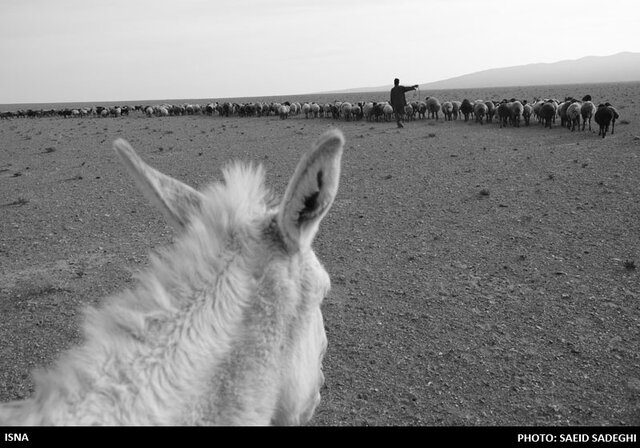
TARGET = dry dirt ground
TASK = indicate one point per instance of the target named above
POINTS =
(481, 276)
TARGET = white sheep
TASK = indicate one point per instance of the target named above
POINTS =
(491, 110)
(422, 109)
(527, 111)
(587, 110)
(283, 111)
(387, 111)
(433, 107)
(306, 109)
(517, 109)
(447, 110)
(368, 111)
(409, 112)
(315, 110)
(456, 109)
(480, 111)
(345, 110)
(537, 107)
(573, 115)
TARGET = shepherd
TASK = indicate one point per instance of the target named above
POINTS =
(398, 100)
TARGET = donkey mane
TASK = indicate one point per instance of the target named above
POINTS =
(143, 324)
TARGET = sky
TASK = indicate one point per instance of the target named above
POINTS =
(118, 50)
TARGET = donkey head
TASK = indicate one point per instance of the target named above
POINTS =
(267, 335)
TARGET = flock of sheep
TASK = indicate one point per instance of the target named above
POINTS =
(569, 112)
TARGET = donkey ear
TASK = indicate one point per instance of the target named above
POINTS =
(176, 201)
(311, 191)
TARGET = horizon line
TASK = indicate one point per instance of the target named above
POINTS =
(331, 92)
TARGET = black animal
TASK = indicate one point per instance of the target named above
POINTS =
(616, 115)
(466, 108)
(547, 113)
(603, 117)
(504, 113)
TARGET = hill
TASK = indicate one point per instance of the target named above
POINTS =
(620, 67)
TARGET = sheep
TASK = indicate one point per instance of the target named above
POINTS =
(265, 110)
(603, 117)
(479, 110)
(176, 109)
(491, 110)
(516, 108)
(556, 105)
(573, 115)
(284, 110)
(562, 111)
(210, 109)
(387, 111)
(422, 109)
(345, 110)
(504, 113)
(456, 109)
(408, 112)
(587, 110)
(547, 113)
(306, 109)
(335, 110)
(356, 111)
(315, 110)
(466, 108)
(616, 115)
(433, 107)
(225, 109)
(537, 107)
(378, 110)
(367, 110)
(527, 111)
(447, 110)
(327, 110)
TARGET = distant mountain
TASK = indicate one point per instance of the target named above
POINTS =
(621, 67)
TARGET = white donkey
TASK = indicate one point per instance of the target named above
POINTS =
(225, 325)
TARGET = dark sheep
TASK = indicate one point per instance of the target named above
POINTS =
(603, 117)
(616, 115)
(547, 113)
(466, 108)
(504, 113)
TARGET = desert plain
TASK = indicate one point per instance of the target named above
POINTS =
(480, 276)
